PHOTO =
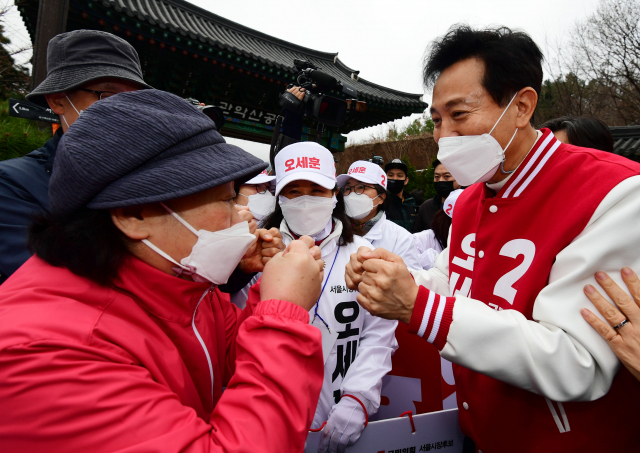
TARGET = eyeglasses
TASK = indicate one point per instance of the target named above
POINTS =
(358, 188)
(261, 188)
(101, 94)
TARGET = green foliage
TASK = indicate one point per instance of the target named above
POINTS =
(420, 180)
(19, 136)
(419, 127)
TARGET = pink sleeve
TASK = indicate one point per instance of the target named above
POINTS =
(77, 398)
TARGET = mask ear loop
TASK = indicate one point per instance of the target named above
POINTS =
(504, 157)
(163, 254)
(180, 219)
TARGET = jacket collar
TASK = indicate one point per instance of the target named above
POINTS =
(163, 295)
(375, 233)
(47, 154)
(532, 166)
(327, 245)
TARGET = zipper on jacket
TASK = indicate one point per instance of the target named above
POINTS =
(204, 347)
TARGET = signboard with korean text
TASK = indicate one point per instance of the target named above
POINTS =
(436, 431)
(247, 113)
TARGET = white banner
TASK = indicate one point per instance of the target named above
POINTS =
(433, 431)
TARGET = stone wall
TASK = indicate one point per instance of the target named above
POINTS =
(419, 151)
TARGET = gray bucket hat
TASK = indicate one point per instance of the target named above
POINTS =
(142, 147)
(80, 56)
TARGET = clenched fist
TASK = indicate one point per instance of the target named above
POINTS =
(386, 287)
(294, 275)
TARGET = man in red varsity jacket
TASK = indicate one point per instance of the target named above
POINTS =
(503, 301)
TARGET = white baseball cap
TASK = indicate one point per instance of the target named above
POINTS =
(365, 172)
(261, 178)
(307, 161)
(450, 202)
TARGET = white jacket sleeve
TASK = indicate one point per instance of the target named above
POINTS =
(373, 362)
(437, 278)
(557, 355)
(407, 249)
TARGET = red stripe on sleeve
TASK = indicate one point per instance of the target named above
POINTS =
(445, 323)
(418, 310)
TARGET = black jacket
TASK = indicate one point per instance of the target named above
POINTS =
(24, 192)
(426, 214)
(402, 212)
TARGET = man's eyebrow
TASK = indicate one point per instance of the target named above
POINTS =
(452, 103)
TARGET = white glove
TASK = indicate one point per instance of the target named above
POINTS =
(344, 426)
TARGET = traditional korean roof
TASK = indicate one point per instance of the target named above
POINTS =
(626, 141)
(192, 52)
(198, 24)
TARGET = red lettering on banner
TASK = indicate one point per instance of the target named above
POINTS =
(314, 163)
(290, 165)
(303, 162)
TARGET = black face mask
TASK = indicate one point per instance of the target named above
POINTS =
(395, 186)
(443, 188)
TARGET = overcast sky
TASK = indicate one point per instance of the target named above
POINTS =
(385, 40)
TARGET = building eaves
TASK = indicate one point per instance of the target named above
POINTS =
(626, 141)
(182, 17)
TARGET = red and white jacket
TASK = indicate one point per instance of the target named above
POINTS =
(141, 366)
(503, 303)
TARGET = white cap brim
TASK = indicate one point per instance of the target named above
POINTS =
(342, 179)
(261, 179)
(324, 181)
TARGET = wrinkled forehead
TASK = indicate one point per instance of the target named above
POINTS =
(460, 84)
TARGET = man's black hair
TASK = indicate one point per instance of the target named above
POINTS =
(511, 59)
(339, 212)
(86, 242)
(583, 131)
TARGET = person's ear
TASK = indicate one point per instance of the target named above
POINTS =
(133, 221)
(406, 180)
(382, 197)
(526, 106)
(57, 102)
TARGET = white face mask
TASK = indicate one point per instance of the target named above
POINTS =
(473, 158)
(307, 215)
(358, 206)
(74, 108)
(261, 204)
(215, 254)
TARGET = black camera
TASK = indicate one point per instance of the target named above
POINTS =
(377, 160)
(325, 109)
(214, 113)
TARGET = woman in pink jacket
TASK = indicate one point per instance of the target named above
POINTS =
(115, 337)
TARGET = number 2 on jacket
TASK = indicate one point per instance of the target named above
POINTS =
(504, 286)
(513, 249)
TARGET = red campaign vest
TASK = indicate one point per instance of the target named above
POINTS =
(501, 252)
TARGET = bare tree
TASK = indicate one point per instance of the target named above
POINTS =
(605, 51)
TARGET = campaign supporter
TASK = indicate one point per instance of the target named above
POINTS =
(431, 243)
(503, 301)
(400, 209)
(365, 198)
(581, 131)
(621, 330)
(256, 195)
(357, 346)
(444, 184)
(83, 67)
(115, 336)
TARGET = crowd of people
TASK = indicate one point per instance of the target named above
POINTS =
(162, 291)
